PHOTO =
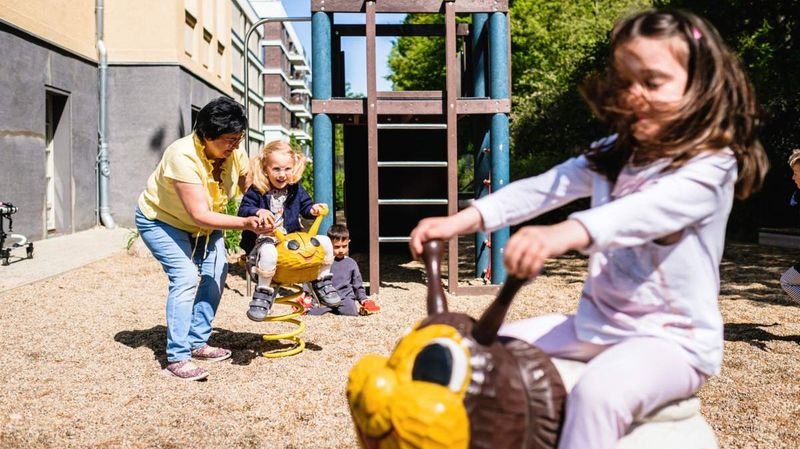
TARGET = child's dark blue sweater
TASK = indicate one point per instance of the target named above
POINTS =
(298, 203)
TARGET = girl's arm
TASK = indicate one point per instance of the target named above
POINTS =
(691, 194)
(251, 203)
(530, 197)
(517, 202)
(444, 228)
(305, 202)
(358, 284)
(193, 197)
(530, 246)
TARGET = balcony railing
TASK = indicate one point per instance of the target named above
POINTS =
(297, 83)
(295, 57)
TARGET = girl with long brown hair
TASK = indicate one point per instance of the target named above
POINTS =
(661, 189)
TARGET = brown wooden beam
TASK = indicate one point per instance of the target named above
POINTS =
(453, 73)
(462, 29)
(372, 153)
(406, 107)
(411, 94)
(410, 6)
(338, 106)
(409, 105)
(466, 106)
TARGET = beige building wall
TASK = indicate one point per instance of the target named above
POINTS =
(193, 33)
(67, 24)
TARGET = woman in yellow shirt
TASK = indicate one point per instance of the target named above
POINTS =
(180, 217)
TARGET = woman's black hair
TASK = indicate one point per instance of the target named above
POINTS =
(220, 116)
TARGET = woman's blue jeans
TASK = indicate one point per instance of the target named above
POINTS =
(191, 305)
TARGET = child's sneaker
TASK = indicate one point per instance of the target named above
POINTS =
(263, 297)
(368, 307)
(325, 293)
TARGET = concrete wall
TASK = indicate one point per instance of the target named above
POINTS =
(149, 107)
(32, 67)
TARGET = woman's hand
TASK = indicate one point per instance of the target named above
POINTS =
(444, 228)
(254, 224)
(266, 217)
(530, 246)
(319, 209)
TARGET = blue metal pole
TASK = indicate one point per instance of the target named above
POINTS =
(482, 136)
(498, 64)
(478, 43)
(323, 127)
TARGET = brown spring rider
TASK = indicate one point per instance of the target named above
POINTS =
(452, 383)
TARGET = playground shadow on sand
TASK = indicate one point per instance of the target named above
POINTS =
(244, 346)
(752, 272)
(754, 334)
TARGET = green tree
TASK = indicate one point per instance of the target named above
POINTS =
(554, 45)
(418, 62)
(766, 37)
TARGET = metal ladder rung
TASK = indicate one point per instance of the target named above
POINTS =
(394, 239)
(411, 202)
(412, 164)
(412, 125)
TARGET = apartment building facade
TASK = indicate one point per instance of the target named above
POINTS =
(287, 95)
(166, 59)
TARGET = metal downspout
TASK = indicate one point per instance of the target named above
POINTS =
(103, 170)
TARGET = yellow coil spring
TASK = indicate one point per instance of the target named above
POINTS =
(292, 336)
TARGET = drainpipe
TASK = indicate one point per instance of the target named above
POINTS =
(103, 170)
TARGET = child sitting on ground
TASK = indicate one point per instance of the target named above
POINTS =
(346, 279)
(790, 281)
(277, 198)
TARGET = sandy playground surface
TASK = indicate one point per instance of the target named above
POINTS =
(81, 359)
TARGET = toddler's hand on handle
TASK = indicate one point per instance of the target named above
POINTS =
(266, 217)
(319, 209)
(529, 247)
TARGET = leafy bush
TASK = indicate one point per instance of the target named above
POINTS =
(232, 236)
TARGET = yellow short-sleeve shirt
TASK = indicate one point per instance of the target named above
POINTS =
(185, 160)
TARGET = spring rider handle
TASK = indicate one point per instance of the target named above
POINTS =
(432, 257)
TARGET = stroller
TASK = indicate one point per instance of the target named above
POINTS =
(10, 241)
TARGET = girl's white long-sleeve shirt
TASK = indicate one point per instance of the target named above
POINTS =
(636, 287)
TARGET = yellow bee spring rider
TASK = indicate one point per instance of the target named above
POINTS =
(300, 256)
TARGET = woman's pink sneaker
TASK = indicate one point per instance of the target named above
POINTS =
(185, 370)
(210, 354)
